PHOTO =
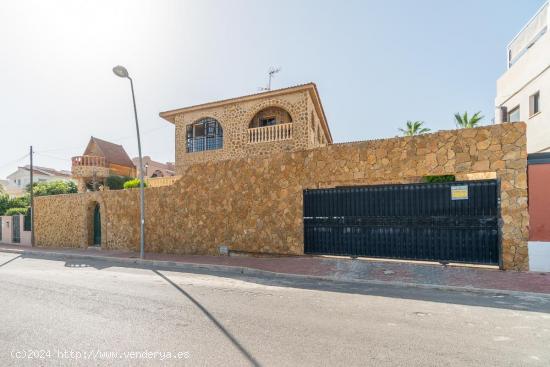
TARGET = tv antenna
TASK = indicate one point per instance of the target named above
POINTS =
(272, 71)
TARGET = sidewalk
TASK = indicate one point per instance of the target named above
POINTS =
(330, 268)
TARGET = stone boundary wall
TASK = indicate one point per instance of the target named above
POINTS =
(255, 204)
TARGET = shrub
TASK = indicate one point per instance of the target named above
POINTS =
(115, 182)
(133, 184)
(15, 211)
(4, 203)
(7, 203)
(53, 188)
(441, 178)
(19, 202)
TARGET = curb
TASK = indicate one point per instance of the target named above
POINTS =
(243, 270)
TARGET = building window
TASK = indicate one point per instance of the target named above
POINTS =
(270, 116)
(513, 115)
(534, 104)
(205, 134)
(268, 121)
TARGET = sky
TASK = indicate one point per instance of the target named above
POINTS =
(376, 64)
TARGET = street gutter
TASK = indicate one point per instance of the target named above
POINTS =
(242, 270)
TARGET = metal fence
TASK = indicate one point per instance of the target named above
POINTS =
(455, 221)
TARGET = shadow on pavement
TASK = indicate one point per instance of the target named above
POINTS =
(10, 260)
(229, 336)
(494, 299)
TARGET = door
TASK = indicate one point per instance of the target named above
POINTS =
(16, 229)
(453, 221)
(97, 226)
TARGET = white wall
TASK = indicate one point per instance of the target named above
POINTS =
(531, 73)
(539, 256)
(21, 178)
(25, 236)
(6, 229)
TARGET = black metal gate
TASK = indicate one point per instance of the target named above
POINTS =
(453, 221)
(15, 229)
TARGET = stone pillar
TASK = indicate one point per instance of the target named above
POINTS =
(81, 185)
(512, 173)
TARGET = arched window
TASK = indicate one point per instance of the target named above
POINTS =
(270, 116)
(205, 134)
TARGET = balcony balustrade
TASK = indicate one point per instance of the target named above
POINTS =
(89, 166)
(89, 160)
(270, 133)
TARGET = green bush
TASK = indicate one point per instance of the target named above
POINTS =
(6, 203)
(53, 188)
(133, 184)
(20, 202)
(115, 182)
(15, 211)
(441, 178)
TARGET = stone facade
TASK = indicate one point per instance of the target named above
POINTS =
(236, 116)
(254, 204)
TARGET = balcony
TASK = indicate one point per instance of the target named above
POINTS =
(89, 166)
(271, 133)
(531, 33)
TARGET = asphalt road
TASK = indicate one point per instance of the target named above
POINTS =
(66, 313)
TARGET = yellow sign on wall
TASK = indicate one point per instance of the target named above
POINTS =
(459, 192)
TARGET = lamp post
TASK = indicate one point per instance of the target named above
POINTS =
(121, 72)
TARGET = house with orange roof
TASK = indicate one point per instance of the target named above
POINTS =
(100, 160)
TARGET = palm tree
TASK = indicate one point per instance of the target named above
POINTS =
(465, 122)
(414, 128)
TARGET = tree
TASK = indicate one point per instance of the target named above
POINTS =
(53, 188)
(414, 128)
(465, 122)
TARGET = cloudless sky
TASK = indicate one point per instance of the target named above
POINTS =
(376, 64)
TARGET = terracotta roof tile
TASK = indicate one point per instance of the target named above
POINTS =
(114, 153)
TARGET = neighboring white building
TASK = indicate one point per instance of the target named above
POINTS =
(523, 91)
(16, 183)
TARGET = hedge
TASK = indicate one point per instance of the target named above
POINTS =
(15, 211)
(132, 184)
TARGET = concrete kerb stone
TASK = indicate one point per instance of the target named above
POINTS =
(242, 270)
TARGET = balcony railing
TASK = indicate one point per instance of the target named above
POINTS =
(533, 30)
(89, 160)
(270, 133)
(202, 143)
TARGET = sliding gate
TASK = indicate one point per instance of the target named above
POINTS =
(454, 221)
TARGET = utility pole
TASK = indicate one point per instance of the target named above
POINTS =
(32, 200)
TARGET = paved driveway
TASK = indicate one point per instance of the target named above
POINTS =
(92, 313)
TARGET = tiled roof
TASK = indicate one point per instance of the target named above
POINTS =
(47, 171)
(113, 153)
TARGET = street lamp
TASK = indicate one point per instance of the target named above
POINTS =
(121, 72)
